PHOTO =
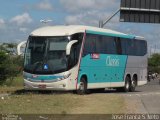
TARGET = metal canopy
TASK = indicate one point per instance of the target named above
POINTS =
(141, 11)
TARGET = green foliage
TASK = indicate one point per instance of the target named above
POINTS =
(154, 63)
(10, 66)
(3, 59)
(8, 47)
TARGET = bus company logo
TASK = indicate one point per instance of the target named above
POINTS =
(34, 76)
(112, 61)
(45, 66)
(94, 56)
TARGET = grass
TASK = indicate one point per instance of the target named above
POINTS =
(12, 86)
(20, 102)
(16, 82)
(66, 103)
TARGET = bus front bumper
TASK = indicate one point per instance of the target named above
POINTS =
(59, 85)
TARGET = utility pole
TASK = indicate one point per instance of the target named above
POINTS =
(101, 23)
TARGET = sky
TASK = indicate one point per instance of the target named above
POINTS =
(18, 18)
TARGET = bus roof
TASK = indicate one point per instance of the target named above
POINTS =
(72, 29)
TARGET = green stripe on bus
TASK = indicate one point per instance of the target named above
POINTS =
(110, 34)
(103, 69)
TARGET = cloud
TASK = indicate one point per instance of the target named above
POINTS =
(89, 12)
(21, 19)
(90, 18)
(2, 23)
(23, 29)
(81, 5)
(83, 18)
(44, 5)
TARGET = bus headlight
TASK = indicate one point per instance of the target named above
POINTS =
(64, 77)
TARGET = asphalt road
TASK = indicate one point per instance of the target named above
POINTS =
(146, 98)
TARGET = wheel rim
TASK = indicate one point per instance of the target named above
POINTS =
(127, 85)
(133, 83)
(81, 87)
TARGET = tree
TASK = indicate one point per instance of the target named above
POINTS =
(3, 48)
(8, 47)
(154, 63)
(10, 66)
(3, 71)
(14, 66)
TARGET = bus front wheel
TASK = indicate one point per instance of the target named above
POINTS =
(82, 87)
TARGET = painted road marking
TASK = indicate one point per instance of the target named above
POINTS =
(143, 94)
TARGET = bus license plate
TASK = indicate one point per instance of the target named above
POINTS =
(42, 86)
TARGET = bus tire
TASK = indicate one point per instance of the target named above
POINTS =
(133, 85)
(127, 84)
(82, 87)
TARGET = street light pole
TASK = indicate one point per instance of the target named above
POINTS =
(101, 23)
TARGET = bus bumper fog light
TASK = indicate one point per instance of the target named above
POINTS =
(62, 85)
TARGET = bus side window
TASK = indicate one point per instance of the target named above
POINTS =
(126, 46)
(110, 45)
(140, 47)
(118, 45)
(89, 45)
(101, 46)
(106, 45)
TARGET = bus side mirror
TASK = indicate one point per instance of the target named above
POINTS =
(19, 47)
(69, 45)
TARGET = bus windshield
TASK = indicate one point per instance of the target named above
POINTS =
(46, 55)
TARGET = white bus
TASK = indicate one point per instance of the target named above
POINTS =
(81, 58)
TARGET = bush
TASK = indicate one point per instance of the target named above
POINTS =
(154, 63)
(10, 66)
(3, 59)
